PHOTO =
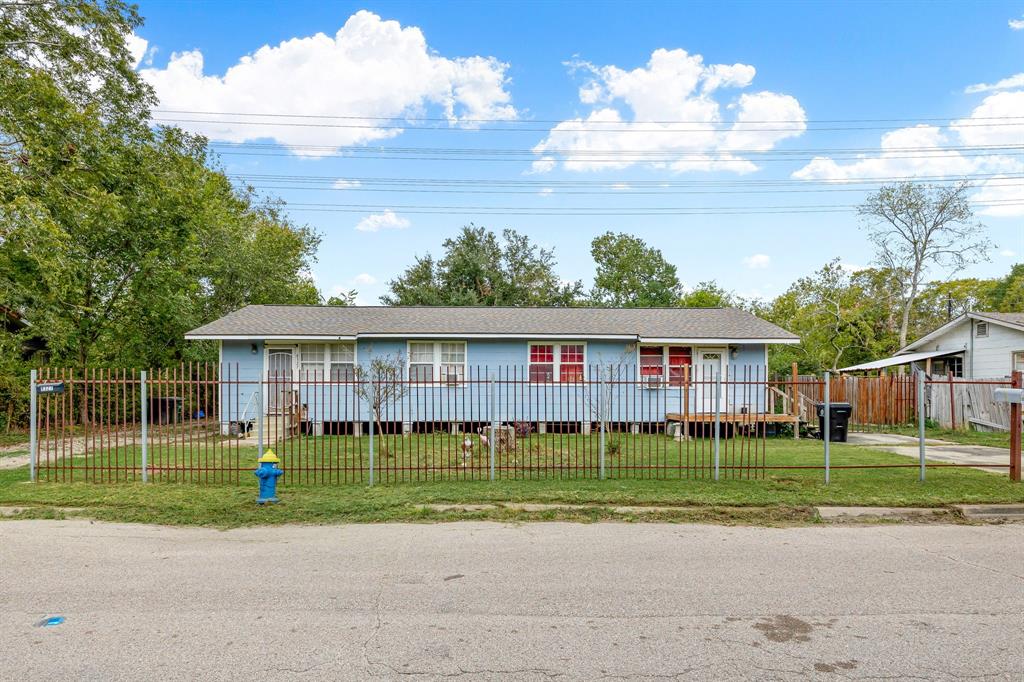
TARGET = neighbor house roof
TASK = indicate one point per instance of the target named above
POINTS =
(1011, 320)
(896, 360)
(643, 324)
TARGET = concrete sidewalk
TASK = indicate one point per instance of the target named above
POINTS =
(488, 601)
(936, 450)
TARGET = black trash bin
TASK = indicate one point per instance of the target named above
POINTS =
(165, 410)
(838, 423)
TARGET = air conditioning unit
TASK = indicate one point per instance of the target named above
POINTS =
(652, 382)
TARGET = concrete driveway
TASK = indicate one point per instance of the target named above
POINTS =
(485, 601)
(936, 450)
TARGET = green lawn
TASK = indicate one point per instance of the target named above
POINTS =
(782, 496)
(13, 438)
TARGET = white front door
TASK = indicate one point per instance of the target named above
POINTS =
(279, 378)
(709, 363)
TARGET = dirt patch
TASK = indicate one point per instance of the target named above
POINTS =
(785, 629)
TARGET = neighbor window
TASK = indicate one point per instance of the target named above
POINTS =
(433, 361)
(334, 361)
(1018, 361)
(666, 363)
(562, 362)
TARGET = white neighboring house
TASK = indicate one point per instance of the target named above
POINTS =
(973, 346)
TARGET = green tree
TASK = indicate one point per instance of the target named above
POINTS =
(831, 314)
(115, 238)
(709, 295)
(631, 274)
(941, 302)
(1007, 294)
(480, 268)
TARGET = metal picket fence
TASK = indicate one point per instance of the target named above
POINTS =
(205, 423)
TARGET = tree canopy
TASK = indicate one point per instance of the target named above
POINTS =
(631, 274)
(116, 237)
(481, 268)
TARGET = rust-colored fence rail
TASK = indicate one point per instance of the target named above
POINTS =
(201, 422)
(204, 423)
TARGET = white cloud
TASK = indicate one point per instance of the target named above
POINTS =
(364, 278)
(546, 192)
(342, 183)
(1015, 81)
(139, 49)
(620, 186)
(1008, 253)
(635, 118)
(925, 150)
(757, 261)
(1016, 24)
(388, 220)
(370, 67)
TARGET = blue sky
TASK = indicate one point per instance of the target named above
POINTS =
(631, 103)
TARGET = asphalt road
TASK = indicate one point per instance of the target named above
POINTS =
(537, 601)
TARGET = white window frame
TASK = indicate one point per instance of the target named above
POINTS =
(1013, 360)
(665, 379)
(556, 376)
(436, 364)
(296, 350)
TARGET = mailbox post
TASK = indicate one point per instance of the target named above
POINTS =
(1015, 397)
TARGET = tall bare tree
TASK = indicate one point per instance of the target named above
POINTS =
(915, 227)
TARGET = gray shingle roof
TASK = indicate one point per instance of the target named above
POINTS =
(1008, 318)
(285, 321)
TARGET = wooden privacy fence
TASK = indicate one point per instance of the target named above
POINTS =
(967, 404)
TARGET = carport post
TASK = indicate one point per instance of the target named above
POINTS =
(920, 420)
(144, 413)
(827, 427)
(718, 418)
(494, 423)
(33, 428)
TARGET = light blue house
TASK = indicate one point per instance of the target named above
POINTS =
(322, 368)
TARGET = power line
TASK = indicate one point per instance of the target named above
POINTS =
(356, 117)
(591, 211)
(574, 192)
(613, 183)
(533, 153)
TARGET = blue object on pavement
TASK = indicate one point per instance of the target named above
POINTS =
(51, 621)
(268, 473)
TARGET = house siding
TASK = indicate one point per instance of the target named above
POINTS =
(504, 360)
(987, 357)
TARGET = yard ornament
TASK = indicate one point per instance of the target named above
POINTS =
(268, 473)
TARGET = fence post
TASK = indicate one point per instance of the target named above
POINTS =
(1017, 381)
(827, 427)
(373, 419)
(600, 415)
(718, 417)
(920, 420)
(33, 428)
(144, 413)
(494, 423)
(259, 419)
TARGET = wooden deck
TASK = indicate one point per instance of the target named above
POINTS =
(732, 418)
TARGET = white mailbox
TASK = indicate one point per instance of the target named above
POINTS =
(1014, 396)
